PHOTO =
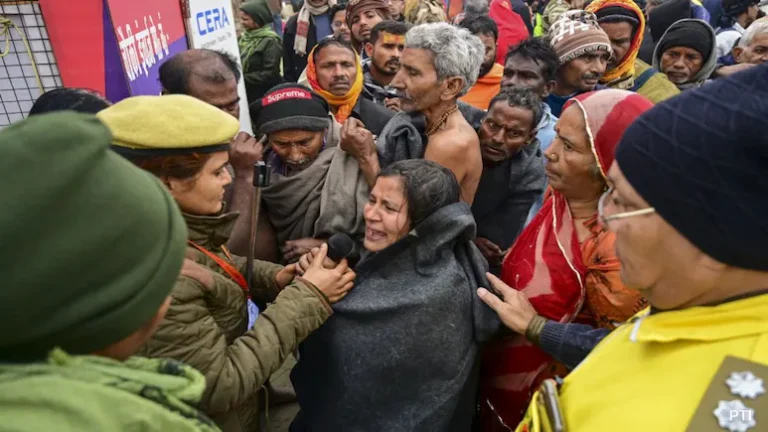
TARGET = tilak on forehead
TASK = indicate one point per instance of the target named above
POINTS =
(389, 38)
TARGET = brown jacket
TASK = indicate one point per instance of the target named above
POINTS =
(205, 326)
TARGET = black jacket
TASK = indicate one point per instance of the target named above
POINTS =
(373, 116)
(505, 195)
(294, 64)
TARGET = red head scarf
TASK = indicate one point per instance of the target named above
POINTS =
(546, 262)
(607, 114)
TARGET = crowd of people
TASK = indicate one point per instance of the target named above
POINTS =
(553, 210)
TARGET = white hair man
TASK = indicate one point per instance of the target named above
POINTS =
(751, 50)
(439, 64)
(753, 46)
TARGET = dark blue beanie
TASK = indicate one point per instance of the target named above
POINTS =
(701, 160)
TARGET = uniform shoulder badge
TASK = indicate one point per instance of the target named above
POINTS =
(745, 384)
(733, 397)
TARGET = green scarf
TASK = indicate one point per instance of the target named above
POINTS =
(97, 390)
(249, 42)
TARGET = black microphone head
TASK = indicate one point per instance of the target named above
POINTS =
(340, 246)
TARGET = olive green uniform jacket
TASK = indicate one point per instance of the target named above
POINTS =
(205, 326)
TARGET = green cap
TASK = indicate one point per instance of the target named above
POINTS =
(91, 245)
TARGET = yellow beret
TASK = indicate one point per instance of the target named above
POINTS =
(168, 125)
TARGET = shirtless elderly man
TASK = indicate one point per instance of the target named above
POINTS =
(439, 64)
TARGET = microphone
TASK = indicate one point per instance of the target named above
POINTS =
(340, 246)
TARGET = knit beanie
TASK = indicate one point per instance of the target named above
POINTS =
(91, 245)
(611, 14)
(577, 33)
(662, 17)
(290, 107)
(690, 34)
(700, 159)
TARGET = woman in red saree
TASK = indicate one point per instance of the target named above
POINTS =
(564, 259)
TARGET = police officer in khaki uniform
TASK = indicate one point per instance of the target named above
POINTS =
(184, 142)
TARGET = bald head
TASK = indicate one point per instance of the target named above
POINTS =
(210, 76)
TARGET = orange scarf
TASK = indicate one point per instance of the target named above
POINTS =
(486, 88)
(344, 103)
(627, 65)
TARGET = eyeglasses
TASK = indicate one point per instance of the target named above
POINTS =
(629, 214)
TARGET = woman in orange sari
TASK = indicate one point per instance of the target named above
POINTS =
(564, 261)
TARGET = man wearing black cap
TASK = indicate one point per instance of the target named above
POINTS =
(686, 53)
(660, 15)
(687, 207)
(316, 189)
(737, 15)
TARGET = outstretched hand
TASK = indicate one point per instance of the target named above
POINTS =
(335, 282)
(514, 309)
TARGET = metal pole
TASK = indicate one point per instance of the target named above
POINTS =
(260, 180)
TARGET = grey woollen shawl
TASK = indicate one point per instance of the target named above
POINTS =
(404, 135)
(325, 198)
(400, 352)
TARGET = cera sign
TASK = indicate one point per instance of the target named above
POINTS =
(210, 20)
